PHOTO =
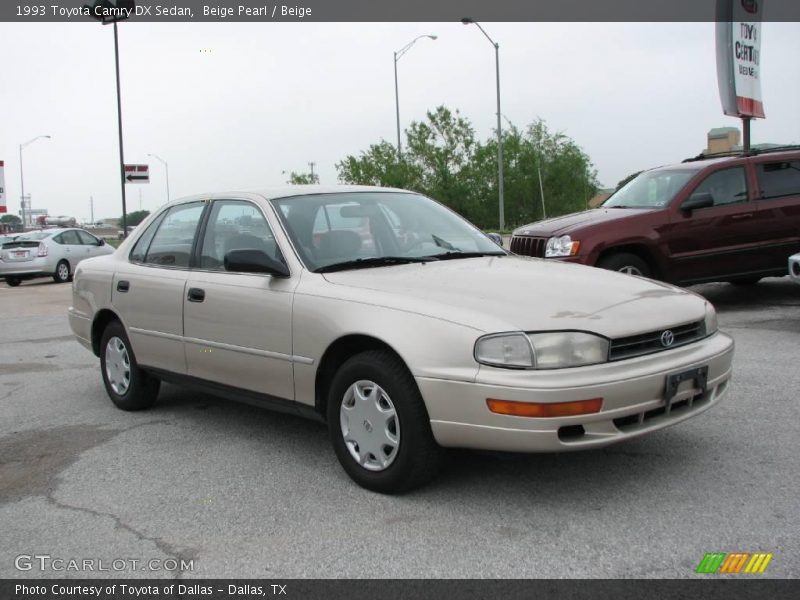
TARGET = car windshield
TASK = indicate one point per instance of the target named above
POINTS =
(369, 229)
(651, 189)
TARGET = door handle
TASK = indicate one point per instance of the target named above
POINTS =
(196, 295)
(744, 216)
(123, 286)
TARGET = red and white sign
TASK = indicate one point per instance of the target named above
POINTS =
(2, 188)
(739, 57)
(137, 174)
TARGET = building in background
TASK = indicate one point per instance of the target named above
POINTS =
(723, 139)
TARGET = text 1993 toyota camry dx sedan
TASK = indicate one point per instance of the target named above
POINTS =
(398, 323)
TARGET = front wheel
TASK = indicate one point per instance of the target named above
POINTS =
(129, 387)
(62, 273)
(379, 426)
(625, 262)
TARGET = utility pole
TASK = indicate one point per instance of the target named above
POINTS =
(311, 164)
(91, 210)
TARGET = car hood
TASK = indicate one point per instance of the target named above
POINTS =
(572, 222)
(512, 293)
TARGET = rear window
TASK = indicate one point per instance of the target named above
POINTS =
(779, 179)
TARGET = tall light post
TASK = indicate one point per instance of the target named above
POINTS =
(468, 21)
(166, 168)
(22, 176)
(397, 56)
(123, 9)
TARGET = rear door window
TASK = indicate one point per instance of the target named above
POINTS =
(171, 245)
(779, 179)
(69, 238)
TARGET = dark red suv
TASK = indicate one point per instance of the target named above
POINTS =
(734, 218)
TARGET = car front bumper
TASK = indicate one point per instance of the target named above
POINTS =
(632, 391)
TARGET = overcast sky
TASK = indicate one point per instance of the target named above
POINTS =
(233, 105)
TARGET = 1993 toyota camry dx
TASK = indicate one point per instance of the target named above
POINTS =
(396, 322)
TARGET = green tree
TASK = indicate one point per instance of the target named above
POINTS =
(302, 178)
(10, 219)
(135, 217)
(444, 160)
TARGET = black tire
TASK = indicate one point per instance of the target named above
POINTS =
(745, 280)
(13, 281)
(625, 262)
(63, 272)
(142, 389)
(418, 456)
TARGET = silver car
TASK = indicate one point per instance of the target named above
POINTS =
(794, 267)
(52, 252)
(390, 318)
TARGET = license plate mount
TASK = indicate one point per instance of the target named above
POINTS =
(699, 375)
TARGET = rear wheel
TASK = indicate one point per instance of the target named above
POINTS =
(379, 427)
(13, 281)
(129, 387)
(62, 273)
(624, 262)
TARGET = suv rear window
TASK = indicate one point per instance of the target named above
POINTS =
(778, 179)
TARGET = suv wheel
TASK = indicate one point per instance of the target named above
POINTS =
(13, 281)
(379, 427)
(62, 273)
(128, 387)
(625, 262)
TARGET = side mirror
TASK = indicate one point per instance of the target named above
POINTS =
(496, 238)
(699, 200)
(101, 242)
(254, 261)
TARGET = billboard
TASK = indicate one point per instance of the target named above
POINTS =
(738, 40)
(2, 188)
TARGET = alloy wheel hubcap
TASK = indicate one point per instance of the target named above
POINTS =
(63, 271)
(118, 366)
(369, 425)
(630, 270)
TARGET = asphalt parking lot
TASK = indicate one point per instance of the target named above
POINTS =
(242, 492)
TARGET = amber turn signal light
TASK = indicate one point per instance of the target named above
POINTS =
(543, 410)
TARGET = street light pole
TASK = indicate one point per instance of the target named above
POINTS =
(166, 168)
(119, 128)
(397, 56)
(22, 177)
(468, 21)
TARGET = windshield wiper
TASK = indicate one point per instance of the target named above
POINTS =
(374, 261)
(459, 254)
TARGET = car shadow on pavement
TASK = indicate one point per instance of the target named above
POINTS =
(772, 291)
(667, 456)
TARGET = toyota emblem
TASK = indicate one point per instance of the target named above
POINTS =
(667, 338)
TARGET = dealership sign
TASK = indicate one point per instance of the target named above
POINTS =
(739, 57)
(2, 188)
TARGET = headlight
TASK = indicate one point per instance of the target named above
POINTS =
(561, 246)
(550, 350)
(559, 349)
(511, 350)
(710, 320)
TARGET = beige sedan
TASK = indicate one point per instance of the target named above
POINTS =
(396, 322)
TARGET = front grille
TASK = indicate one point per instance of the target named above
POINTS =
(647, 343)
(528, 246)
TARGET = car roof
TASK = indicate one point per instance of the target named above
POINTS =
(286, 191)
